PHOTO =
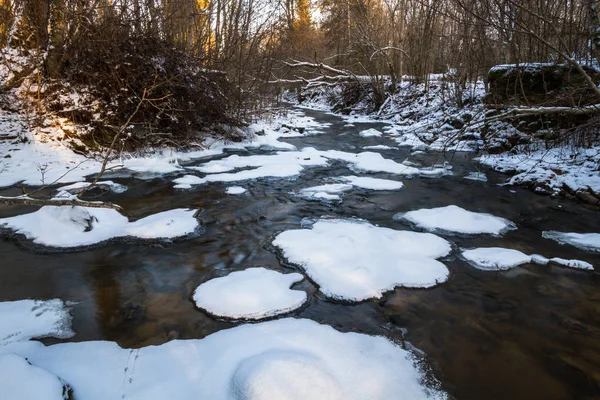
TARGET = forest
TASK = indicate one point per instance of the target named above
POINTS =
(299, 199)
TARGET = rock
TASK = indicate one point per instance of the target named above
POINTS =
(587, 197)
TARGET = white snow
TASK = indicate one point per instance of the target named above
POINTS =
(77, 187)
(285, 359)
(291, 163)
(577, 264)
(553, 169)
(235, 190)
(354, 260)
(46, 160)
(27, 319)
(371, 132)
(476, 176)
(280, 165)
(19, 380)
(374, 162)
(583, 241)
(67, 226)
(453, 219)
(378, 147)
(254, 293)
(365, 182)
(497, 258)
(327, 192)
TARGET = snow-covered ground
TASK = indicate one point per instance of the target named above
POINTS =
(453, 219)
(282, 359)
(26, 319)
(41, 158)
(550, 170)
(254, 293)
(353, 260)
(431, 120)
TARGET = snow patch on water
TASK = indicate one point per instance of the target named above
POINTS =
(254, 293)
(583, 241)
(353, 260)
(453, 219)
(371, 132)
(235, 190)
(67, 226)
(378, 147)
(327, 192)
(365, 182)
(500, 259)
(476, 176)
(78, 187)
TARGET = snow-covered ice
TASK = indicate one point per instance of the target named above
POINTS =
(282, 359)
(327, 192)
(476, 176)
(19, 380)
(453, 219)
(583, 241)
(254, 293)
(77, 187)
(378, 147)
(498, 259)
(27, 319)
(235, 190)
(68, 226)
(371, 132)
(495, 258)
(374, 162)
(365, 182)
(280, 165)
(354, 260)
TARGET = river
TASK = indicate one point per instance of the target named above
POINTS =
(532, 332)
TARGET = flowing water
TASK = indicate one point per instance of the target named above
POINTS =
(530, 333)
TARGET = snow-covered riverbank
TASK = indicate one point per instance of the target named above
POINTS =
(432, 120)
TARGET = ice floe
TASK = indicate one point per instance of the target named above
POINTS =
(495, 258)
(280, 165)
(453, 219)
(78, 187)
(254, 293)
(68, 226)
(235, 190)
(476, 176)
(353, 260)
(498, 259)
(371, 132)
(282, 359)
(378, 147)
(327, 192)
(27, 319)
(583, 241)
(365, 182)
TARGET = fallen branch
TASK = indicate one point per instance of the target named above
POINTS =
(28, 201)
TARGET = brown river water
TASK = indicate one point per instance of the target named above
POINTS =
(529, 333)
